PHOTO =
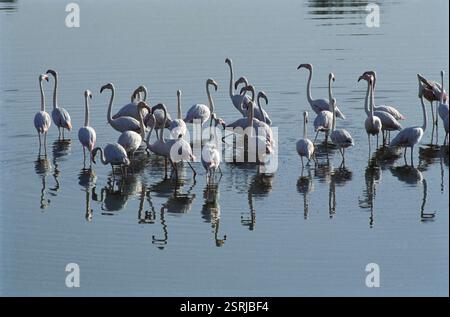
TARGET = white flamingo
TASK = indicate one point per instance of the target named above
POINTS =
(130, 109)
(175, 150)
(177, 126)
(202, 112)
(443, 109)
(318, 105)
(372, 123)
(389, 123)
(113, 154)
(130, 140)
(341, 137)
(432, 91)
(211, 157)
(60, 116)
(324, 120)
(389, 109)
(237, 99)
(120, 124)
(411, 136)
(42, 121)
(259, 112)
(86, 134)
(305, 148)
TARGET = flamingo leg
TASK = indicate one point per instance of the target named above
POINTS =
(45, 143)
(370, 149)
(317, 133)
(193, 171)
(84, 157)
(301, 157)
(39, 136)
(404, 155)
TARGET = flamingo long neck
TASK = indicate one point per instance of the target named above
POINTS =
(304, 127)
(366, 100)
(308, 87)
(424, 110)
(333, 126)
(330, 91)
(210, 100)
(102, 155)
(442, 87)
(372, 100)
(250, 117)
(261, 110)
(164, 124)
(110, 105)
(141, 124)
(144, 90)
(55, 96)
(86, 111)
(231, 79)
(147, 141)
(42, 95)
(179, 107)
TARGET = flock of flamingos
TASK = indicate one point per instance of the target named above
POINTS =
(137, 120)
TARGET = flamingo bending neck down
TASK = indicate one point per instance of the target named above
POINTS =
(318, 105)
(305, 148)
(411, 136)
(60, 116)
(341, 137)
(211, 157)
(86, 134)
(113, 154)
(175, 150)
(177, 126)
(42, 121)
(131, 140)
(130, 109)
(120, 124)
(236, 99)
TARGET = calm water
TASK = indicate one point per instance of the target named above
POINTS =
(284, 234)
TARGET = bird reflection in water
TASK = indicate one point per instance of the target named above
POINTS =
(161, 242)
(43, 166)
(372, 177)
(60, 149)
(339, 177)
(413, 176)
(305, 185)
(145, 216)
(211, 211)
(87, 179)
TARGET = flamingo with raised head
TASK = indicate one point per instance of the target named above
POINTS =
(86, 134)
(178, 127)
(120, 124)
(340, 137)
(318, 105)
(60, 116)
(42, 121)
(199, 111)
(211, 157)
(236, 99)
(411, 136)
(131, 109)
(372, 123)
(305, 148)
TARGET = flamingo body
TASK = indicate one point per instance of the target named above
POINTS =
(130, 141)
(42, 122)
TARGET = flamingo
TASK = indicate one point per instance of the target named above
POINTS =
(175, 150)
(389, 109)
(431, 90)
(42, 121)
(177, 126)
(120, 124)
(211, 157)
(236, 99)
(324, 119)
(158, 115)
(86, 134)
(245, 122)
(113, 154)
(372, 123)
(200, 111)
(131, 140)
(131, 109)
(411, 136)
(443, 109)
(318, 105)
(305, 148)
(388, 122)
(340, 137)
(259, 112)
(60, 116)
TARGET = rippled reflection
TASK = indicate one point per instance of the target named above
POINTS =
(211, 211)
(87, 179)
(305, 185)
(42, 167)
(372, 178)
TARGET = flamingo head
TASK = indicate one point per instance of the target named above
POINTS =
(142, 104)
(52, 72)
(228, 61)
(212, 82)
(248, 88)
(43, 77)
(263, 95)
(331, 77)
(242, 80)
(305, 115)
(107, 86)
(178, 93)
(88, 94)
(307, 66)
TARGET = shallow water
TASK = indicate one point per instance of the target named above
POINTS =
(291, 233)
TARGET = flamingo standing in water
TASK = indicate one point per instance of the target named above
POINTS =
(324, 119)
(131, 109)
(120, 124)
(211, 157)
(237, 99)
(318, 105)
(86, 134)
(259, 112)
(42, 121)
(305, 148)
(131, 140)
(389, 123)
(411, 136)
(60, 116)
(202, 112)
(341, 137)
(113, 154)
(177, 126)
(443, 109)
(372, 123)
(175, 150)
